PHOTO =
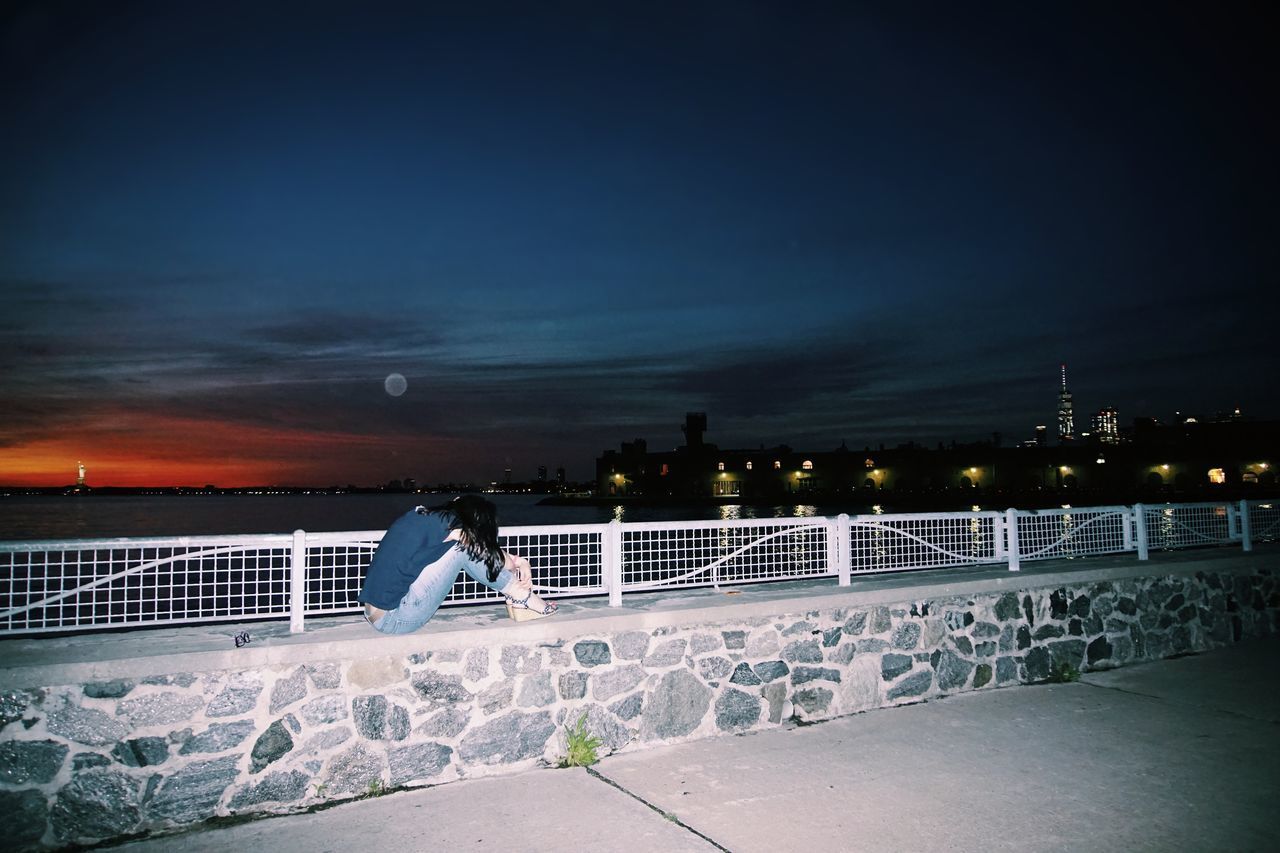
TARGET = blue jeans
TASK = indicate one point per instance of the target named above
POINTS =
(433, 584)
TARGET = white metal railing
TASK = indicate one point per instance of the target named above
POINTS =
(110, 583)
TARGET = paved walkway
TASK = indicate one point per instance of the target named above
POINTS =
(1177, 755)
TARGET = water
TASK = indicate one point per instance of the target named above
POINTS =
(25, 518)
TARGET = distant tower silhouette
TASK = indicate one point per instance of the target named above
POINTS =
(695, 424)
(1066, 420)
(80, 474)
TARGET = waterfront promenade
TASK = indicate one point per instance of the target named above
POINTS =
(1178, 754)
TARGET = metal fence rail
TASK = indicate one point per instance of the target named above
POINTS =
(707, 553)
(1184, 525)
(1052, 534)
(85, 585)
(56, 586)
(880, 543)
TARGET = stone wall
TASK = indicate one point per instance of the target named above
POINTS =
(85, 762)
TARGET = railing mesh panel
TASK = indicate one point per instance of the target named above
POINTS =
(1186, 525)
(883, 543)
(1071, 532)
(705, 553)
(101, 585)
(1264, 521)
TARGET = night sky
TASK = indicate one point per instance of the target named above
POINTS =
(223, 226)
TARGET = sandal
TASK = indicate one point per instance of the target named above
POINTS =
(522, 611)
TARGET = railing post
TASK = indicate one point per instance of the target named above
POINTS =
(297, 581)
(997, 538)
(838, 549)
(1140, 529)
(1127, 528)
(1011, 535)
(1246, 535)
(611, 559)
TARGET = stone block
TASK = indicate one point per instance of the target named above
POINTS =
(592, 653)
(676, 707)
(324, 710)
(700, 644)
(519, 660)
(289, 690)
(804, 674)
(238, 696)
(744, 675)
(892, 665)
(24, 761)
(274, 788)
(734, 639)
(142, 752)
(325, 676)
(439, 689)
(763, 643)
(373, 673)
(272, 745)
(906, 635)
(497, 696)
(770, 670)
(802, 651)
(916, 684)
(952, 671)
(536, 691)
(113, 689)
(573, 685)
(714, 668)
(814, 701)
(419, 762)
(612, 682)
(736, 711)
(85, 725)
(516, 736)
(192, 793)
(353, 771)
(97, 804)
(26, 816)
(668, 653)
(218, 737)
(447, 723)
(631, 645)
(629, 708)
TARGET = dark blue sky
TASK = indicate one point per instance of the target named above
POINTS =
(222, 227)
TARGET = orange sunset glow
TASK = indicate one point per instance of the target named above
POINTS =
(124, 451)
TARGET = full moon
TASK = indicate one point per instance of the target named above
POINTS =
(396, 385)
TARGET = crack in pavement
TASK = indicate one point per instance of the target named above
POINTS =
(666, 814)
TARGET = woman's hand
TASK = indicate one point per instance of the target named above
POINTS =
(519, 568)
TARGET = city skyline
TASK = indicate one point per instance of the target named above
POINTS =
(329, 244)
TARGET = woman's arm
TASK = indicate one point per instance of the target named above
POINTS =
(519, 567)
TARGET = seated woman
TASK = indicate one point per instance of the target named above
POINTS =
(421, 554)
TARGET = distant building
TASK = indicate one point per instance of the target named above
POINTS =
(542, 473)
(1158, 461)
(80, 474)
(560, 477)
(1066, 418)
(1106, 426)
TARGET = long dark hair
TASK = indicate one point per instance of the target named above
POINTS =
(477, 519)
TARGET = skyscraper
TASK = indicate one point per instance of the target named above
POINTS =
(1106, 426)
(1066, 420)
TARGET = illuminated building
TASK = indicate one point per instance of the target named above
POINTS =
(1066, 420)
(1106, 426)
(79, 473)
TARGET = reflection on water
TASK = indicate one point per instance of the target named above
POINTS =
(729, 512)
(619, 513)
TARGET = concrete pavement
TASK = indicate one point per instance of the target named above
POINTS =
(1180, 754)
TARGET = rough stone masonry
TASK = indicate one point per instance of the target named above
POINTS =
(82, 763)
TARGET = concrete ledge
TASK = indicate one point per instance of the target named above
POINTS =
(136, 654)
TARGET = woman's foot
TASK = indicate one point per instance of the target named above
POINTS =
(522, 604)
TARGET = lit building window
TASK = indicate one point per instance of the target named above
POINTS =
(748, 466)
(777, 465)
(666, 469)
(1217, 475)
(720, 466)
(869, 462)
(806, 465)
